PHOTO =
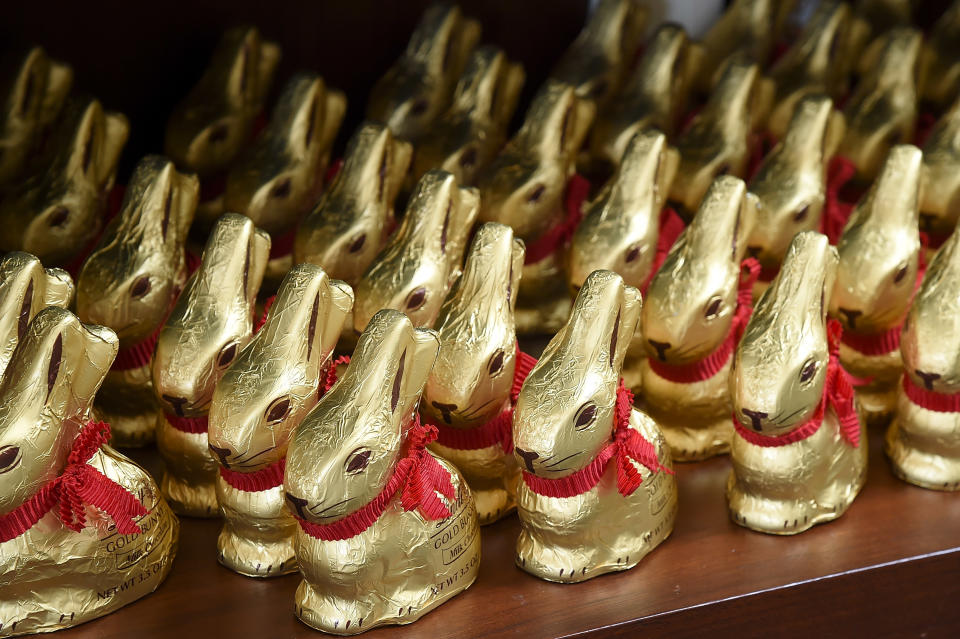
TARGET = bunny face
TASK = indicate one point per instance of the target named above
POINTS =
(274, 381)
(414, 272)
(212, 319)
(45, 399)
(418, 87)
(277, 179)
(25, 289)
(940, 195)
(473, 375)
(346, 448)
(565, 411)
(208, 129)
(940, 67)
(880, 247)
(525, 185)
(780, 365)
(346, 229)
(131, 278)
(620, 227)
(693, 297)
(745, 29)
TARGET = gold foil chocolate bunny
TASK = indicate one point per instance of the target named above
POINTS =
(261, 398)
(694, 314)
(940, 176)
(525, 187)
(26, 288)
(879, 266)
(413, 93)
(745, 30)
(33, 91)
(210, 127)
(468, 136)
(471, 391)
(414, 272)
(799, 452)
(939, 77)
(350, 224)
(57, 212)
(387, 530)
(130, 283)
(883, 109)
(83, 530)
(209, 325)
(598, 492)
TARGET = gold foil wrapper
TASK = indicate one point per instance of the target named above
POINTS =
(939, 75)
(209, 325)
(941, 175)
(564, 417)
(341, 456)
(54, 577)
(745, 30)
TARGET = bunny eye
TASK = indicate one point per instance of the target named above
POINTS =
(495, 365)
(281, 189)
(416, 299)
(632, 254)
(801, 215)
(58, 217)
(808, 371)
(358, 460)
(419, 107)
(713, 308)
(141, 286)
(278, 409)
(226, 355)
(586, 415)
(536, 194)
(723, 170)
(902, 273)
(9, 457)
(468, 158)
(219, 133)
(357, 243)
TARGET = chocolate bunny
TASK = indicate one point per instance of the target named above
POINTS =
(26, 288)
(745, 30)
(524, 188)
(208, 326)
(470, 393)
(130, 282)
(581, 515)
(939, 76)
(350, 224)
(83, 530)
(258, 402)
(882, 111)
(414, 272)
(58, 211)
(696, 308)
(655, 95)
(387, 530)
(878, 272)
(413, 92)
(468, 136)
(799, 456)
(33, 90)
(940, 176)
(209, 128)
(598, 61)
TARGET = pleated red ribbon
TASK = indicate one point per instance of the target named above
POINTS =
(628, 446)
(556, 238)
(931, 400)
(193, 425)
(836, 212)
(76, 487)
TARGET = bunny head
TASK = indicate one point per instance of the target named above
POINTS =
(880, 248)
(473, 375)
(275, 380)
(653, 97)
(137, 269)
(791, 181)
(26, 288)
(418, 87)
(344, 451)
(46, 398)
(58, 211)
(620, 227)
(208, 129)
(565, 411)
(940, 174)
(693, 297)
(939, 79)
(346, 229)
(278, 178)
(780, 365)
(525, 185)
(883, 109)
(414, 272)
(597, 62)
(467, 137)
(33, 90)
(212, 319)
(746, 29)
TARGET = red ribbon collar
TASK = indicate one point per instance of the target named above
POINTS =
(627, 445)
(837, 391)
(931, 400)
(418, 478)
(670, 225)
(78, 485)
(556, 238)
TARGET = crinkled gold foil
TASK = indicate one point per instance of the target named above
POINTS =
(939, 75)
(745, 30)
(340, 459)
(209, 325)
(564, 416)
(940, 195)
(53, 577)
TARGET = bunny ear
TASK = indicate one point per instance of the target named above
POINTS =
(59, 288)
(53, 367)
(29, 83)
(516, 271)
(397, 382)
(23, 320)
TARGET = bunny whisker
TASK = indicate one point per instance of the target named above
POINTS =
(478, 409)
(560, 461)
(319, 513)
(785, 418)
(690, 349)
(252, 457)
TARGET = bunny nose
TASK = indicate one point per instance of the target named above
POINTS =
(445, 410)
(222, 453)
(928, 378)
(176, 402)
(661, 349)
(298, 505)
(755, 417)
(851, 316)
(527, 456)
